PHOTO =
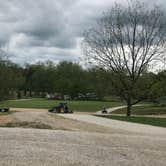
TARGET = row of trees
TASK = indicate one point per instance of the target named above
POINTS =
(68, 78)
(11, 79)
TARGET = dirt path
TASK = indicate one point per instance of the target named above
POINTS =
(28, 110)
(109, 110)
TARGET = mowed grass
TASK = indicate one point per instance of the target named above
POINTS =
(144, 110)
(80, 106)
(160, 122)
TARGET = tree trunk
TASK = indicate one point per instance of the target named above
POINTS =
(129, 107)
(129, 110)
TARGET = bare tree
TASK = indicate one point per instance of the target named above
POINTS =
(127, 40)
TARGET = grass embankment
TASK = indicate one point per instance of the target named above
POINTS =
(5, 113)
(144, 110)
(80, 106)
(160, 122)
(35, 125)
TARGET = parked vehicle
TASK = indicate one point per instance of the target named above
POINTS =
(4, 109)
(55, 96)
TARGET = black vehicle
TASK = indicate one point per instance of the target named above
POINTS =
(104, 111)
(61, 108)
(4, 109)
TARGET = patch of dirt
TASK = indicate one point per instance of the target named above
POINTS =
(28, 110)
(5, 119)
(36, 125)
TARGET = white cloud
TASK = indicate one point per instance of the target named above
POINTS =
(47, 29)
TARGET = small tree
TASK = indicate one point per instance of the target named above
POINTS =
(127, 40)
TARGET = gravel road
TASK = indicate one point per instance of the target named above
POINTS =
(33, 147)
(84, 140)
(58, 122)
(118, 125)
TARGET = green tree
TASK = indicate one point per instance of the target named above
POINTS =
(11, 78)
(70, 79)
(159, 88)
(127, 40)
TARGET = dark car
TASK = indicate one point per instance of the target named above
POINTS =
(61, 108)
(4, 109)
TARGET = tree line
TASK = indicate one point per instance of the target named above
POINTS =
(67, 78)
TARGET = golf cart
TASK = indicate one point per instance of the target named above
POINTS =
(61, 108)
(4, 109)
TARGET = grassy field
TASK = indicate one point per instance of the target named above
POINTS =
(144, 110)
(161, 122)
(82, 106)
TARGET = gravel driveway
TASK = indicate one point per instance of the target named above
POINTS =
(84, 140)
(33, 147)
(58, 122)
(118, 125)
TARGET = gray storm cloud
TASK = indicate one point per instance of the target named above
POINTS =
(48, 29)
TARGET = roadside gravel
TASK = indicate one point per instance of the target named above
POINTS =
(80, 140)
(33, 147)
(118, 125)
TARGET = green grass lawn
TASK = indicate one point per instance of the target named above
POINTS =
(161, 122)
(82, 106)
(144, 110)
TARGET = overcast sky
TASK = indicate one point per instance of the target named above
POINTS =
(40, 30)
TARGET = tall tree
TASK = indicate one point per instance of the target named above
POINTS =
(159, 88)
(127, 40)
(11, 78)
(97, 81)
(70, 79)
